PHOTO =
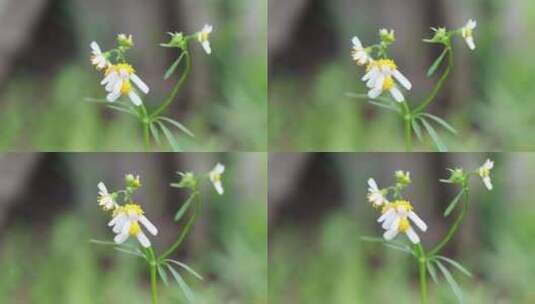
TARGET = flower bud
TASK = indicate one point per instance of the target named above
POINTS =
(125, 41)
(441, 36)
(188, 180)
(403, 178)
(132, 181)
(457, 176)
(387, 36)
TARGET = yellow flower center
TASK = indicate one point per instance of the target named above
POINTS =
(217, 178)
(467, 32)
(388, 83)
(484, 172)
(134, 229)
(404, 225)
(203, 36)
(382, 64)
(120, 67)
(133, 209)
(403, 204)
(126, 87)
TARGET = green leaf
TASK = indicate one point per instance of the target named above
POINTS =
(155, 133)
(121, 109)
(163, 275)
(434, 136)
(392, 245)
(123, 250)
(184, 208)
(441, 121)
(384, 106)
(437, 63)
(178, 125)
(173, 67)
(187, 268)
(182, 284)
(96, 100)
(365, 96)
(170, 137)
(417, 129)
(432, 271)
(456, 265)
(453, 203)
(451, 281)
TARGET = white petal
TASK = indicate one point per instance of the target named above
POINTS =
(417, 221)
(356, 42)
(372, 184)
(140, 84)
(413, 236)
(94, 46)
(113, 96)
(143, 240)
(385, 215)
(107, 78)
(136, 100)
(375, 92)
(102, 188)
(219, 168)
(114, 220)
(206, 47)
(219, 188)
(390, 234)
(487, 182)
(121, 237)
(470, 42)
(402, 79)
(396, 93)
(150, 227)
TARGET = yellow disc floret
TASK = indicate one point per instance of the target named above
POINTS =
(126, 87)
(382, 64)
(404, 225)
(134, 228)
(403, 204)
(388, 83)
(133, 209)
(120, 67)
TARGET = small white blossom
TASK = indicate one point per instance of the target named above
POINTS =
(105, 199)
(126, 221)
(97, 58)
(203, 36)
(467, 34)
(395, 219)
(117, 82)
(484, 172)
(360, 56)
(215, 177)
(380, 77)
(375, 195)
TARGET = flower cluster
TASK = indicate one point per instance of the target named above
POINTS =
(189, 180)
(459, 176)
(126, 218)
(396, 215)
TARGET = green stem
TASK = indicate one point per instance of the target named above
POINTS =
(153, 282)
(422, 268)
(176, 88)
(453, 227)
(186, 229)
(438, 85)
(407, 126)
(146, 138)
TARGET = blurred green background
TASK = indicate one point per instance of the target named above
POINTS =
(45, 74)
(488, 97)
(318, 211)
(48, 214)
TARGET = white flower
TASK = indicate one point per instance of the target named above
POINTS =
(215, 177)
(360, 56)
(395, 219)
(484, 172)
(375, 195)
(203, 36)
(97, 58)
(105, 199)
(466, 32)
(380, 77)
(126, 221)
(117, 82)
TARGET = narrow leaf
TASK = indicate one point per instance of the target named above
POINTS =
(155, 133)
(434, 136)
(456, 264)
(121, 109)
(187, 268)
(173, 67)
(184, 208)
(451, 281)
(365, 96)
(392, 245)
(170, 137)
(182, 284)
(417, 129)
(441, 121)
(432, 271)
(163, 275)
(178, 125)
(129, 252)
(97, 100)
(453, 203)
(384, 106)
(436, 63)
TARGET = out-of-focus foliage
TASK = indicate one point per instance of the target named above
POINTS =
(326, 262)
(51, 113)
(56, 263)
(489, 98)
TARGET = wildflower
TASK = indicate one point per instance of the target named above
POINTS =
(105, 199)
(387, 36)
(375, 195)
(202, 36)
(395, 219)
(97, 57)
(215, 177)
(125, 41)
(403, 178)
(132, 181)
(360, 56)
(380, 77)
(126, 221)
(466, 32)
(484, 172)
(117, 82)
